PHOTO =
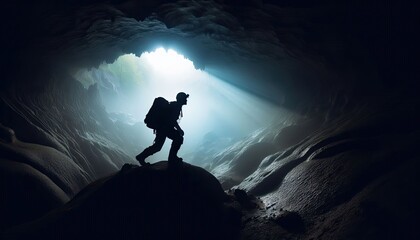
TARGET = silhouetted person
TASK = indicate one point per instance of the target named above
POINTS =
(170, 128)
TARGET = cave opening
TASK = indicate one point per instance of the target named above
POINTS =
(217, 111)
(301, 123)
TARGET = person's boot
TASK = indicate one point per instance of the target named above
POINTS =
(141, 158)
(173, 158)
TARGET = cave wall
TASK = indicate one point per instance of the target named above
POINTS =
(346, 67)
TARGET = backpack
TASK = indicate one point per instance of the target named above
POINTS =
(157, 115)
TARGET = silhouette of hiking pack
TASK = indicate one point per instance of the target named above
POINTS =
(158, 114)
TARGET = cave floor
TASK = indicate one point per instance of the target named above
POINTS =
(260, 222)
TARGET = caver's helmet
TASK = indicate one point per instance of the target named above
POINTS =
(181, 96)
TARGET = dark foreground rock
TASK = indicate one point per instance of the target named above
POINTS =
(155, 202)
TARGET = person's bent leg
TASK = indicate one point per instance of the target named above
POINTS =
(156, 147)
(177, 141)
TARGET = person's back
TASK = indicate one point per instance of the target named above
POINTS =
(174, 111)
(171, 129)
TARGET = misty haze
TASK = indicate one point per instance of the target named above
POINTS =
(217, 110)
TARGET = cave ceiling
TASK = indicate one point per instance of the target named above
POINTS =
(308, 47)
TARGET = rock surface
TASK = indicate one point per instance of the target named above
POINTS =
(154, 202)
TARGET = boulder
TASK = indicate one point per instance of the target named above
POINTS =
(160, 201)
